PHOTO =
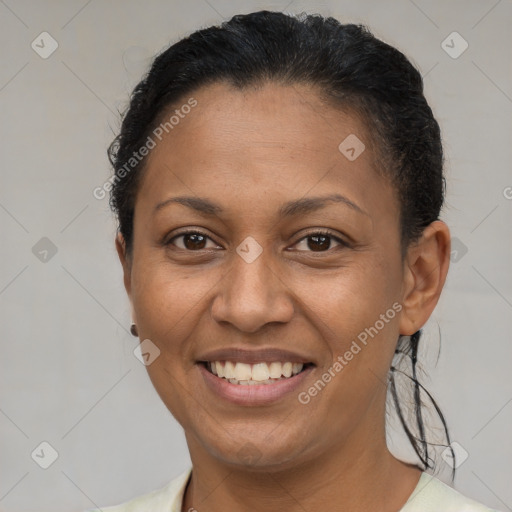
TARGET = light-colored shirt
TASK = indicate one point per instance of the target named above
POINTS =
(430, 495)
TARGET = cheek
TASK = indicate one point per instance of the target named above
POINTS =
(161, 287)
(354, 298)
(358, 321)
(167, 304)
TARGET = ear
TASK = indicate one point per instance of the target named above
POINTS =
(425, 269)
(125, 262)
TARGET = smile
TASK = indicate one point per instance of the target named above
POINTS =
(253, 384)
(252, 374)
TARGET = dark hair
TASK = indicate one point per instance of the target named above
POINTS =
(350, 69)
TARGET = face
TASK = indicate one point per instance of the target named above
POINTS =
(260, 266)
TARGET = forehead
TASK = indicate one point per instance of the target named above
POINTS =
(293, 116)
(271, 140)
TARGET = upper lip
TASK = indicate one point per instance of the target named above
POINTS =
(251, 356)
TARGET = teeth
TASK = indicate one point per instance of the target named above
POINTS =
(251, 374)
(242, 371)
(297, 368)
(275, 370)
(260, 372)
(229, 370)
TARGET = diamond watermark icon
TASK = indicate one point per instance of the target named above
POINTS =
(458, 250)
(146, 352)
(44, 45)
(249, 249)
(44, 250)
(461, 455)
(454, 45)
(351, 147)
(249, 454)
(44, 455)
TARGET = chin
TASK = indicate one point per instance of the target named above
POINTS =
(256, 451)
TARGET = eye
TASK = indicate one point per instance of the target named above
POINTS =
(320, 241)
(317, 241)
(192, 240)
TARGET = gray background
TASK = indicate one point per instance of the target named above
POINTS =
(68, 373)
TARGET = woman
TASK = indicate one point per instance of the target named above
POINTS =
(278, 184)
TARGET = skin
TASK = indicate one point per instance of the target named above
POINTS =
(251, 151)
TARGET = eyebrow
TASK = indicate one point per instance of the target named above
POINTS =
(292, 208)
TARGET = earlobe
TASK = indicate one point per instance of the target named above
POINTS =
(426, 267)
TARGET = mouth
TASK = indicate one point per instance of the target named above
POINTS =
(260, 383)
(261, 373)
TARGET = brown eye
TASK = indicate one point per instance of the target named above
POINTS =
(191, 241)
(320, 242)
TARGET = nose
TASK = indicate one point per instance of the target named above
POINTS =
(251, 295)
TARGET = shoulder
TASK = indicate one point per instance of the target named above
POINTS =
(433, 495)
(165, 499)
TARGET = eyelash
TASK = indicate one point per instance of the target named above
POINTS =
(313, 233)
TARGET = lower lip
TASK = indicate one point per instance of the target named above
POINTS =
(257, 394)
